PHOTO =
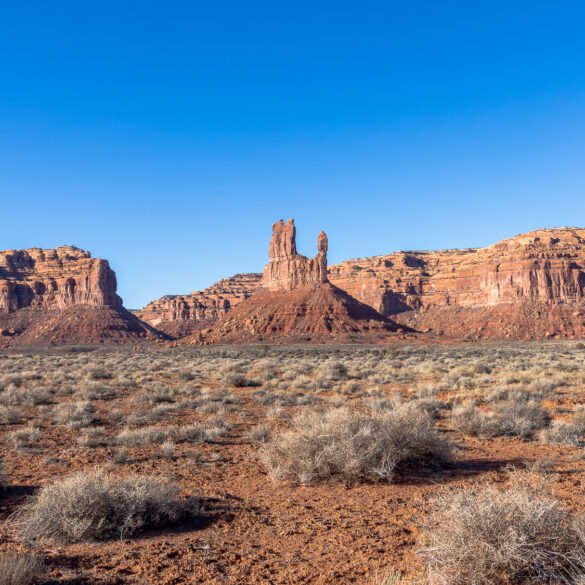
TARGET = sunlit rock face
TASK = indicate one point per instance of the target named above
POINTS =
(58, 278)
(286, 269)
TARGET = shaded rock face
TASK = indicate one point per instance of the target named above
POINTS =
(287, 269)
(58, 278)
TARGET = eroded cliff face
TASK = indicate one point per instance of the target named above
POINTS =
(180, 315)
(545, 265)
(529, 286)
(58, 278)
(62, 296)
(286, 269)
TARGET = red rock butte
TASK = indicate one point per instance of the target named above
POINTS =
(296, 302)
(287, 269)
(62, 296)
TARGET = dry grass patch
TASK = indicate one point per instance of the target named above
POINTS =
(20, 569)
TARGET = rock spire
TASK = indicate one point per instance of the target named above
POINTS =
(288, 270)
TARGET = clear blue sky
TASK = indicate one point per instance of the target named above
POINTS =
(168, 136)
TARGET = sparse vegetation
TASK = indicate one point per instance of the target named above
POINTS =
(319, 416)
(97, 506)
(492, 536)
(21, 568)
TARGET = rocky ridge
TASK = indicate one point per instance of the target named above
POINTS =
(180, 315)
(529, 286)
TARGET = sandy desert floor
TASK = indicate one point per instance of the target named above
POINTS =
(205, 419)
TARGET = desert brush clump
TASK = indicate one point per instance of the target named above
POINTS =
(21, 568)
(491, 535)
(351, 445)
(95, 506)
(561, 433)
(518, 415)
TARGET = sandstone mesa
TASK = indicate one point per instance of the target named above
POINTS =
(62, 296)
(531, 286)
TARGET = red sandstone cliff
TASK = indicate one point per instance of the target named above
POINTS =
(180, 315)
(62, 296)
(529, 286)
(56, 278)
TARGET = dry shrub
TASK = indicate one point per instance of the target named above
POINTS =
(20, 568)
(578, 418)
(494, 536)
(258, 434)
(394, 577)
(351, 445)
(22, 438)
(541, 466)
(10, 415)
(467, 418)
(237, 380)
(349, 387)
(518, 416)
(17, 396)
(143, 437)
(74, 415)
(97, 506)
(561, 433)
(99, 373)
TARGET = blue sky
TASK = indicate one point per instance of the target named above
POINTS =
(169, 136)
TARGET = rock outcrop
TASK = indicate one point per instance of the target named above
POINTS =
(296, 302)
(180, 315)
(286, 269)
(56, 278)
(527, 287)
(62, 296)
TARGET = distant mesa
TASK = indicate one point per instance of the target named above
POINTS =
(182, 315)
(531, 286)
(62, 296)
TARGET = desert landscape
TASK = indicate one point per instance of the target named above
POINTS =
(292, 293)
(277, 429)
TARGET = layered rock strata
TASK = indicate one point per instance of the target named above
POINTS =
(180, 315)
(296, 302)
(529, 286)
(62, 296)
(56, 278)
(286, 269)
